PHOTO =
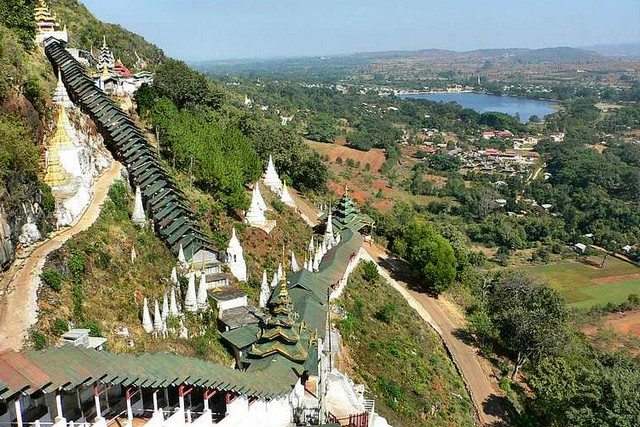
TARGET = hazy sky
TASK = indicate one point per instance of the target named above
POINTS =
(220, 29)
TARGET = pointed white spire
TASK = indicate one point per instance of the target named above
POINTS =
(173, 306)
(174, 275)
(316, 260)
(235, 258)
(285, 196)
(260, 199)
(181, 258)
(202, 293)
(311, 246)
(61, 96)
(157, 317)
(294, 262)
(279, 272)
(265, 291)
(147, 325)
(323, 248)
(328, 232)
(271, 178)
(274, 281)
(191, 299)
(138, 217)
(255, 215)
(165, 308)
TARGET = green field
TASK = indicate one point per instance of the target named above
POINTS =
(580, 283)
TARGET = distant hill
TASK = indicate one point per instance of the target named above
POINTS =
(341, 63)
(622, 51)
(86, 30)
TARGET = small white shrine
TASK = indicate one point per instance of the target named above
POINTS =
(235, 258)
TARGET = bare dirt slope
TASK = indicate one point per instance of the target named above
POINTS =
(19, 302)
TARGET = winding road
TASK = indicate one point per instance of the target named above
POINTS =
(475, 370)
(18, 307)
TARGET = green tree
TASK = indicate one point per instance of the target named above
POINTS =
(430, 254)
(17, 15)
(530, 318)
(184, 86)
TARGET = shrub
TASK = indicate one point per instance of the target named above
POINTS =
(60, 326)
(278, 206)
(39, 340)
(370, 271)
(387, 312)
(95, 330)
(52, 278)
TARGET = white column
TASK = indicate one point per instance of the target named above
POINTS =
(59, 406)
(181, 400)
(96, 398)
(155, 401)
(129, 410)
(18, 413)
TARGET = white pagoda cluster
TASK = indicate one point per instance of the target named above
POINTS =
(272, 180)
(255, 216)
(195, 300)
(235, 258)
(317, 249)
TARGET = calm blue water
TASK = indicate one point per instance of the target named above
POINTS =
(483, 103)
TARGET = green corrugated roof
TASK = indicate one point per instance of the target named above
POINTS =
(70, 366)
(243, 336)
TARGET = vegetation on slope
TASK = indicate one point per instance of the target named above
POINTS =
(399, 358)
(92, 282)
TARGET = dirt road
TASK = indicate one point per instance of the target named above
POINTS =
(475, 370)
(18, 308)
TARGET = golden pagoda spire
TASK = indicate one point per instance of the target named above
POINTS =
(61, 138)
(104, 41)
(55, 175)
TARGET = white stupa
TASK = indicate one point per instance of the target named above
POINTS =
(174, 275)
(61, 96)
(147, 324)
(201, 299)
(328, 232)
(311, 247)
(235, 258)
(271, 178)
(173, 306)
(138, 217)
(316, 260)
(265, 291)
(280, 272)
(191, 299)
(285, 196)
(157, 317)
(274, 281)
(294, 262)
(260, 200)
(182, 260)
(255, 215)
(165, 308)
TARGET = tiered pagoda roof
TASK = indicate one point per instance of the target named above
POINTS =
(347, 216)
(55, 175)
(45, 20)
(281, 333)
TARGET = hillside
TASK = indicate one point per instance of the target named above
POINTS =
(86, 31)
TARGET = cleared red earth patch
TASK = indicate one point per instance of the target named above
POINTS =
(374, 157)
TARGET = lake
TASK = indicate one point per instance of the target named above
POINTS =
(482, 103)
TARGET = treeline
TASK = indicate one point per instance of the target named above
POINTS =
(572, 382)
(364, 118)
(221, 147)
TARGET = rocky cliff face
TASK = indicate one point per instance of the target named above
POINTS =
(26, 206)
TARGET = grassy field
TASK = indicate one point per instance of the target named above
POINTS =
(400, 359)
(585, 285)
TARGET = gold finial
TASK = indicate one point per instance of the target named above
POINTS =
(283, 288)
(104, 41)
